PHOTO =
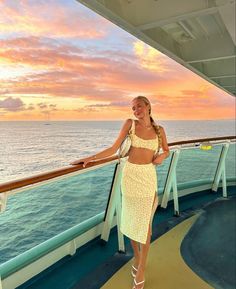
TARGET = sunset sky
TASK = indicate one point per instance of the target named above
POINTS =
(60, 60)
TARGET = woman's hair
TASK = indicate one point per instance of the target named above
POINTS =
(155, 126)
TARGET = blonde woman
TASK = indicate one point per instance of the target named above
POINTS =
(139, 180)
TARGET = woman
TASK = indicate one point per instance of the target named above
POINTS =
(139, 180)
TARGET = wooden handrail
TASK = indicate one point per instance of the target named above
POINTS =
(16, 184)
(199, 140)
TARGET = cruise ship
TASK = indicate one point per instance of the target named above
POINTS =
(194, 227)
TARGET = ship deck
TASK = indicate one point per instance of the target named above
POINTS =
(174, 260)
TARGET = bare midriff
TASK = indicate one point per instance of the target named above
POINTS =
(140, 156)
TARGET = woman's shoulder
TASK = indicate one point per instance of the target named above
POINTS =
(128, 123)
(161, 129)
(160, 126)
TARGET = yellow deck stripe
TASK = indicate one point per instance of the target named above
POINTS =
(165, 268)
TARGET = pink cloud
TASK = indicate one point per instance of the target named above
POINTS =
(68, 71)
(23, 17)
(105, 77)
(11, 104)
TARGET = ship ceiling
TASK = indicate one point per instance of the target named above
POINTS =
(199, 34)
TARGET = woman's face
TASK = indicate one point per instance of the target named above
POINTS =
(140, 108)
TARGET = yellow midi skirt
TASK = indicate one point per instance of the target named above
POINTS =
(138, 187)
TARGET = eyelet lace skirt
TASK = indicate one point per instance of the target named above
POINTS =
(138, 187)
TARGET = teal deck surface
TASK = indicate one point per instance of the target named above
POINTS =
(94, 263)
(209, 248)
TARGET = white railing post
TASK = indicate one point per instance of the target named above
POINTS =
(3, 203)
(114, 205)
(175, 195)
(121, 242)
(220, 171)
(72, 247)
(171, 182)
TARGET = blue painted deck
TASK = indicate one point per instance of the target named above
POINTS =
(209, 248)
(94, 263)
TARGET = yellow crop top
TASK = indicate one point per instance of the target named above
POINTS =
(138, 142)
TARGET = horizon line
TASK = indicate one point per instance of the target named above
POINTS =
(215, 119)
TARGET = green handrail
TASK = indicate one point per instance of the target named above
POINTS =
(28, 257)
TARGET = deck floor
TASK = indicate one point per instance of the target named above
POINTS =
(95, 264)
(209, 248)
(165, 265)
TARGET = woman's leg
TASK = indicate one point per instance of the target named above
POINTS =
(144, 248)
(136, 249)
(154, 207)
(142, 261)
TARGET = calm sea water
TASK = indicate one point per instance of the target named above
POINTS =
(29, 148)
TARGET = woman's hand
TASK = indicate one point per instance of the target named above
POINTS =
(85, 161)
(159, 159)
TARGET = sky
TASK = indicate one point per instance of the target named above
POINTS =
(61, 61)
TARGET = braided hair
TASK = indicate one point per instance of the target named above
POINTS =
(155, 126)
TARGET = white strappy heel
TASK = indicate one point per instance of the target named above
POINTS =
(132, 271)
(138, 283)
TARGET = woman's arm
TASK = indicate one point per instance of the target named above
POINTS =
(111, 150)
(164, 145)
(165, 148)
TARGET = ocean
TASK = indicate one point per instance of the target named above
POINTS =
(28, 148)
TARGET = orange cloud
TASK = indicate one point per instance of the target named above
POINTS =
(44, 71)
(210, 103)
(150, 58)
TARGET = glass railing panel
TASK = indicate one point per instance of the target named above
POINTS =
(195, 164)
(162, 171)
(39, 213)
(231, 162)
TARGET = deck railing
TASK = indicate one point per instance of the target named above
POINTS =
(8, 186)
(24, 266)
